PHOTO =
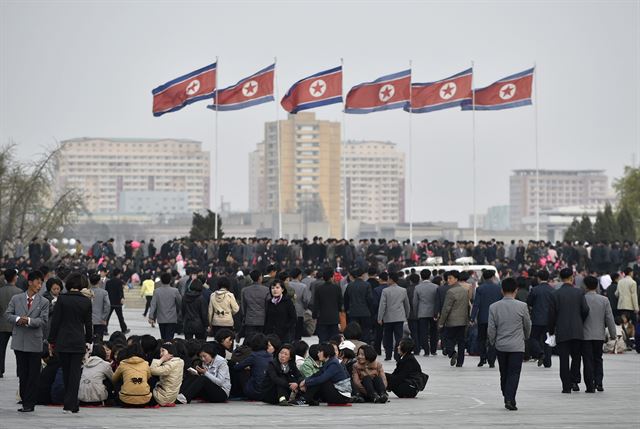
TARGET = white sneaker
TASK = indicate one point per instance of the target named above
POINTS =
(182, 399)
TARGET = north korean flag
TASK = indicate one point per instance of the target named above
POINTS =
(250, 91)
(512, 91)
(320, 89)
(187, 89)
(443, 94)
(385, 93)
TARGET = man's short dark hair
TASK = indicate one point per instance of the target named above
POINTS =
(258, 342)
(425, 274)
(627, 271)
(509, 285)
(384, 276)
(10, 275)
(116, 272)
(453, 273)
(566, 273)
(165, 278)
(395, 276)
(255, 275)
(327, 274)
(590, 282)
(295, 273)
(94, 279)
(35, 275)
(488, 274)
(543, 275)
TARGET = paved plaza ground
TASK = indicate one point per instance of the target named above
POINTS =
(454, 397)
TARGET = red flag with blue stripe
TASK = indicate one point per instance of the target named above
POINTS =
(442, 94)
(189, 88)
(317, 90)
(388, 92)
(512, 91)
(250, 91)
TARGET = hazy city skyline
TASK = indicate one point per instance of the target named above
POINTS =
(71, 70)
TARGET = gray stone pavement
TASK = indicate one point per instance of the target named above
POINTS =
(454, 397)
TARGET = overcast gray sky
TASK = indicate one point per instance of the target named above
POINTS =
(73, 69)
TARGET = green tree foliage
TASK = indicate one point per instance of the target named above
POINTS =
(606, 227)
(203, 227)
(585, 232)
(572, 232)
(628, 190)
(625, 224)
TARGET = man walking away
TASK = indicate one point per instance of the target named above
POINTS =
(392, 313)
(253, 304)
(627, 294)
(357, 302)
(114, 288)
(600, 316)
(327, 303)
(539, 300)
(6, 293)
(508, 327)
(165, 305)
(100, 308)
(567, 313)
(455, 318)
(425, 306)
(486, 294)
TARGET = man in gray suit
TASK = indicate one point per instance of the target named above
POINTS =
(28, 313)
(600, 315)
(165, 306)
(253, 305)
(425, 306)
(392, 313)
(509, 326)
(6, 293)
(301, 300)
(100, 307)
(455, 317)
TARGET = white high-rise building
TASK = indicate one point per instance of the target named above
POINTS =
(118, 175)
(373, 175)
(257, 183)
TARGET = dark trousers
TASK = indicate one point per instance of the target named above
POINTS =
(147, 304)
(377, 340)
(28, 364)
(200, 386)
(273, 395)
(540, 349)
(365, 324)
(456, 336)
(487, 351)
(4, 340)
(413, 330)
(250, 331)
(592, 363)
(392, 330)
(71, 364)
(299, 328)
(98, 332)
(428, 334)
(401, 388)
(444, 342)
(325, 392)
(565, 349)
(373, 386)
(167, 331)
(325, 332)
(199, 336)
(118, 310)
(510, 364)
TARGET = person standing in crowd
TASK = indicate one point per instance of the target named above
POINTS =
(301, 300)
(165, 306)
(114, 288)
(567, 313)
(280, 313)
(71, 336)
(327, 302)
(508, 327)
(254, 303)
(6, 327)
(455, 318)
(392, 313)
(425, 305)
(600, 316)
(539, 300)
(195, 317)
(627, 294)
(222, 306)
(357, 303)
(610, 293)
(100, 307)
(146, 291)
(486, 294)
(28, 312)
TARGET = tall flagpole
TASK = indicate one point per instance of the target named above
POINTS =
(410, 158)
(275, 89)
(344, 141)
(473, 141)
(535, 133)
(215, 152)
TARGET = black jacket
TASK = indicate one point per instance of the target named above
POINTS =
(275, 376)
(327, 303)
(539, 300)
(407, 368)
(114, 289)
(280, 318)
(71, 327)
(357, 299)
(567, 313)
(194, 313)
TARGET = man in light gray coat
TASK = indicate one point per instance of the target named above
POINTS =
(425, 307)
(509, 326)
(302, 295)
(6, 293)
(392, 313)
(600, 316)
(455, 318)
(29, 314)
(100, 307)
(253, 305)
(165, 305)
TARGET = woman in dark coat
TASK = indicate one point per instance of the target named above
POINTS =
(283, 378)
(407, 379)
(281, 315)
(195, 313)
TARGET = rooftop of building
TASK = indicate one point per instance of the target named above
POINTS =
(128, 140)
(531, 171)
(368, 142)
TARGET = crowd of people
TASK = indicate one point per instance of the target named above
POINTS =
(244, 307)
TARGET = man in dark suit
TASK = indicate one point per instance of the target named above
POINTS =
(29, 314)
(486, 294)
(327, 303)
(567, 313)
(71, 335)
(540, 300)
(357, 303)
(114, 288)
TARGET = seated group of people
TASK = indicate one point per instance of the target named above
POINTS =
(141, 371)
